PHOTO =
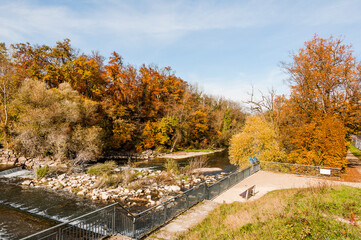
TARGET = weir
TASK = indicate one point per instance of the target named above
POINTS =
(26, 210)
(8, 171)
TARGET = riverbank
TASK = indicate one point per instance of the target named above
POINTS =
(136, 188)
(145, 189)
(181, 155)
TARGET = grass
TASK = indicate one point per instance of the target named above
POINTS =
(42, 171)
(102, 168)
(172, 166)
(355, 151)
(311, 213)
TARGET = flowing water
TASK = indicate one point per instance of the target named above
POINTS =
(213, 160)
(27, 210)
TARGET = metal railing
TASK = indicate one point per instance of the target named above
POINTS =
(299, 169)
(94, 225)
(116, 219)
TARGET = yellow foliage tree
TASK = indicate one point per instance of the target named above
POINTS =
(257, 139)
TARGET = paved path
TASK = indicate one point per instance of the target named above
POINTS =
(185, 221)
(270, 181)
(353, 170)
(264, 181)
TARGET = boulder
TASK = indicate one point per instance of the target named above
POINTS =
(173, 188)
(104, 196)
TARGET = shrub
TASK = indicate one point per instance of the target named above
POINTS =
(196, 163)
(128, 174)
(172, 166)
(109, 180)
(101, 168)
(42, 171)
(56, 123)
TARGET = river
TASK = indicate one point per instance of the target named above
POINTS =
(26, 210)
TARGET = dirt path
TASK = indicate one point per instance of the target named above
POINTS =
(353, 170)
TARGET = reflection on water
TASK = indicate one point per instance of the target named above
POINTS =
(217, 159)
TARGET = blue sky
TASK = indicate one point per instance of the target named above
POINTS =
(224, 47)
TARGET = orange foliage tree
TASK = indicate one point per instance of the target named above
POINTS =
(323, 103)
(141, 108)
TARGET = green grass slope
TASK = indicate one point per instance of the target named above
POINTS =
(324, 212)
(355, 151)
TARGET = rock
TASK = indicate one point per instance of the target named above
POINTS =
(27, 182)
(104, 196)
(82, 192)
(173, 188)
(22, 160)
(61, 177)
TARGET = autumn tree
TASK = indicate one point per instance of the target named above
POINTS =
(144, 107)
(9, 83)
(258, 138)
(62, 63)
(323, 80)
(323, 102)
(56, 123)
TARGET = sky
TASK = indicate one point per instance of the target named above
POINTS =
(224, 47)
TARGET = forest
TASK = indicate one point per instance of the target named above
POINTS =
(61, 104)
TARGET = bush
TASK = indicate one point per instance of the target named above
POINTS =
(56, 123)
(194, 164)
(42, 171)
(172, 166)
(109, 180)
(101, 168)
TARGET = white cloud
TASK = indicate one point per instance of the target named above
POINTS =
(158, 20)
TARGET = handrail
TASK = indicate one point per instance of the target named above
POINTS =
(303, 165)
(75, 219)
(169, 200)
(133, 229)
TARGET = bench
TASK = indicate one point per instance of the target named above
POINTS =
(249, 192)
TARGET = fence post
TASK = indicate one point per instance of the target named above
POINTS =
(133, 228)
(59, 234)
(206, 192)
(187, 200)
(165, 213)
(113, 221)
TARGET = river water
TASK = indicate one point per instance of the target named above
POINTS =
(27, 210)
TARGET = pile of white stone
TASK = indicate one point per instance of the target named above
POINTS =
(149, 193)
